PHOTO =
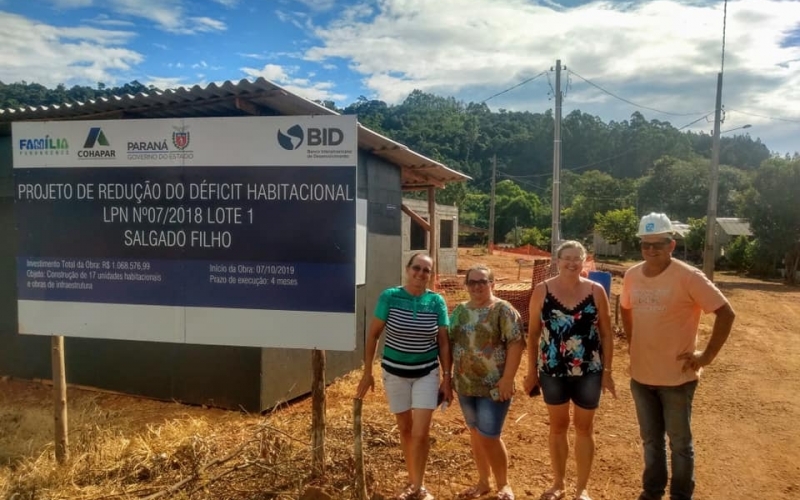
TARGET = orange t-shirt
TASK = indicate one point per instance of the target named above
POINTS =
(666, 313)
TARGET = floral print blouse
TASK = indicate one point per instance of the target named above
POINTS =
(479, 339)
(570, 342)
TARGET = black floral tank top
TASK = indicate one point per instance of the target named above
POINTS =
(570, 342)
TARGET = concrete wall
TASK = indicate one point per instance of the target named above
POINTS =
(448, 257)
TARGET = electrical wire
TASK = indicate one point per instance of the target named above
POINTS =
(626, 100)
(789, 120)
(514, 87)
(695, 121)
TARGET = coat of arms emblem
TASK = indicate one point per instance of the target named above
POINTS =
(180, 138)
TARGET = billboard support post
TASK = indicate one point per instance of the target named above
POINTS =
(318, 412)
(60, 399)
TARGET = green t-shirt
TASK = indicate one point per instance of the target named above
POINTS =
(412, 322)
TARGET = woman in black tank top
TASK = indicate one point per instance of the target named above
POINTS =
(570, 353)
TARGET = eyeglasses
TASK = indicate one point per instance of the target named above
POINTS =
(420, 269)
(478, 282)
(655, 245)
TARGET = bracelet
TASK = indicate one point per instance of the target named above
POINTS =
(446, 374)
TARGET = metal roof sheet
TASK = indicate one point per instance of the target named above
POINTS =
(734, 226)
(680, 228)
(260, 97)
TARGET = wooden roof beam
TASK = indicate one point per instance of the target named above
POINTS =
(415, 217)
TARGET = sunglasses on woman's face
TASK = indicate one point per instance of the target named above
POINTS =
(483, 282)
(420, 269)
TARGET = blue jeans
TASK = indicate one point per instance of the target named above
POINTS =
(666, 410)
(484, 414)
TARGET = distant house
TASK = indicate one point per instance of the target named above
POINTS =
(727, 230)
(472, 235)
(416, 238)
(602, 247)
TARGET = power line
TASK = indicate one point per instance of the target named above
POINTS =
(764, 116)
(626, 100)
(695, 121)
(528, 183)
(514, 87)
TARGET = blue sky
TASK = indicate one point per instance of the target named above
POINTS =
(662, 54)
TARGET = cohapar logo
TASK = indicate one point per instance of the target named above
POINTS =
(294, 137)
(95, 138)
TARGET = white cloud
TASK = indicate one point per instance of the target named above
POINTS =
(71, 4)
(299, 20)
(168, 15)
(227, 3)
(105, 20)
(660, 53)
(283, 76)
(164, 83)
(51, 55)
(318, 5)
(206, 25)
(252, 55)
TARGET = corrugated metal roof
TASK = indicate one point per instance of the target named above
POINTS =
(681, 228)
(734, 226)
(260, 97)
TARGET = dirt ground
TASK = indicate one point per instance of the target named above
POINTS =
(745, 417)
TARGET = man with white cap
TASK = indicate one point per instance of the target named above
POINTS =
(662, 300)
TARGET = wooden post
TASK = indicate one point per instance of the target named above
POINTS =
(361, 483)
(318, 412)
(60, 398)
(616, 311)
(433, 234)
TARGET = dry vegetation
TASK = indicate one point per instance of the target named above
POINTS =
(125, 448)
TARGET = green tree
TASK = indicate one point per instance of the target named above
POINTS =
(591, 193)
(695, 239)
(535, 236)
(514, 207)
(676, 187)
(618, 226)
(774, 213)
(738, 253)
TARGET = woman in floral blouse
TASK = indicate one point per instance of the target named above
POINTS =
(570, 354)
(487, 341)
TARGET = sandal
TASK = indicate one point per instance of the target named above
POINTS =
(408, 493)
(472, 492)
(423, 494)
(583, 496)
(552, 495)
(506, 493)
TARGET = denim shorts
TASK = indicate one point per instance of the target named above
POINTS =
(583, 390)
(484, 414)
(411, 393)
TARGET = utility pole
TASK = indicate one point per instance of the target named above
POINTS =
(555, 233)
(491, 203)
(516, 232)
(709, 253)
